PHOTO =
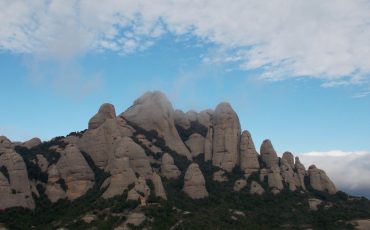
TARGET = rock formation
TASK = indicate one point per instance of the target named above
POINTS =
(140, 146)
(195, 144)
(32, 143)
(194, 183)
(75, 171)
(248, 155)
(139, 161)
(256, 189)
(54, 190)
(320, 181)
(158, 186)
(153, 112)
(168, 167)
(15, 188)
(121, 177)
(106, 111)
(226, 137)
(268, 154)
(239, 185)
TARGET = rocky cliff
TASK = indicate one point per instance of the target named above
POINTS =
(144, 151)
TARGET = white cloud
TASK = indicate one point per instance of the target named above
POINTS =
(349, 170)
(286, 38)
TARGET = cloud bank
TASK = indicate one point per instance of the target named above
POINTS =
(350, 171)
(328, 39)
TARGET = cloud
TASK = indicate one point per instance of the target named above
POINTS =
(349, 170)
(284, 38)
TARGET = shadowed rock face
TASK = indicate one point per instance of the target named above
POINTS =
(153, 112)
(226, 137)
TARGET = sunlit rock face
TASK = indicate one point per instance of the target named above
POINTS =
(226, 137)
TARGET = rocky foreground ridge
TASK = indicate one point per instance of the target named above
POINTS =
(140, 151)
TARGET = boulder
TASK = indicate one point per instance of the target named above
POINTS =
(168, 167)
(320, 181)
(239, 185)
(204, 118)
(15, 188)
(136, 218)
(268, 154)
(32, 143)
(195, 144)
(256, 188)
(106, 111)
(158, 186)
(219, 176)
(194, 182)
(248, 155)
(121, 177)
(314, 203)
(226, 137)
(75, 171)
(153, 112)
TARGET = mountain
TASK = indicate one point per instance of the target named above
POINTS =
(155, 167)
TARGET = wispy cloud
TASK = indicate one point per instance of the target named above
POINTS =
(349, 170)
(285, 38)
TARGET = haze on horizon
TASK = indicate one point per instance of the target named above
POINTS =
(295, 71)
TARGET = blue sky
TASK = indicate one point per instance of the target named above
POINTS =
(298, 74)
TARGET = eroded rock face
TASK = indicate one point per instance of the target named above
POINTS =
(194, 182)
(75, 171)
(153, 112)
(268, 154)
(256, 188)
(226, 137)
(219, 176)
(140, 191)
(106, 111)
(195, 144)
(320, 181)
(248, 155)
(158, 186)
(15, 188)
(168, 167)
